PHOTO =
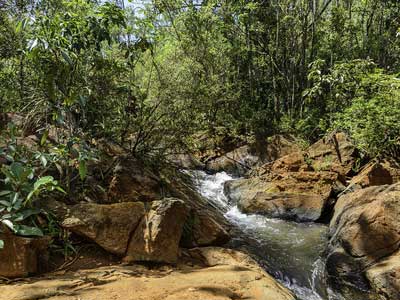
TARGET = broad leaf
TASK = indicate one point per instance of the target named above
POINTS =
(82, 169)
(28, 230)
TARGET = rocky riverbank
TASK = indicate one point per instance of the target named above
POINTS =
(153, 220)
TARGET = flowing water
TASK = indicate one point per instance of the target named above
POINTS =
(290, 251)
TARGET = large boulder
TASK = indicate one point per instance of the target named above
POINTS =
(299, 196)
(334, 153)
(109, 226)
(134, 181)
(138, 231)
(364, 239)
(20, 255)
(158, 235)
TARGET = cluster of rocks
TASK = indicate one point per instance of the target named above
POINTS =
(325, 183)
(145, 216)
(148, 216)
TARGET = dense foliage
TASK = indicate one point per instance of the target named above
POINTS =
(150, 74)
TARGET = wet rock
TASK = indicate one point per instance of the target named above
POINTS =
(158, 235)
(300, 196)
(109, 226)
(206, 224)
(203, 230)
(20, 255)
(364, 232)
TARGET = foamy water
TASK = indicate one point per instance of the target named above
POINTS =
(290, 251)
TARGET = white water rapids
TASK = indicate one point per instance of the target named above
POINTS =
(290, 251)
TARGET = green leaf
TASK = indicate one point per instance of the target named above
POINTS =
(17, 169)
(32, 44)
(43, 181)
(43, 160)
(1, 244)
(28, 230)
(23, 215)
(67, 58)
(44, 138)
(82, 169)
(9, 224)
(5, 203)
(5, 193)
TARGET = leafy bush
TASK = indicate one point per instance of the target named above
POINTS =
(21, 184)
(372, 119)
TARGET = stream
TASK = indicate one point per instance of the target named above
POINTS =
(291, 252)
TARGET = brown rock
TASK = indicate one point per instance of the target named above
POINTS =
(290, 163)
(385, 276)
(300, 196)
(372, 174)
(19, 257)
(158, 235)
(110, 226)
(336, 153)
(364, 230)
(132, 181)
(230, 275)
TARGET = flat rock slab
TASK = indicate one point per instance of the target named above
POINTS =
(226, 281)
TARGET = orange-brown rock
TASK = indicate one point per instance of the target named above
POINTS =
(110, 226)
(364, 232)
(290, 163)
(372, 174)
(19, 257)
(223, 275)
(334, 153)
(158, 235)
(301, 196)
